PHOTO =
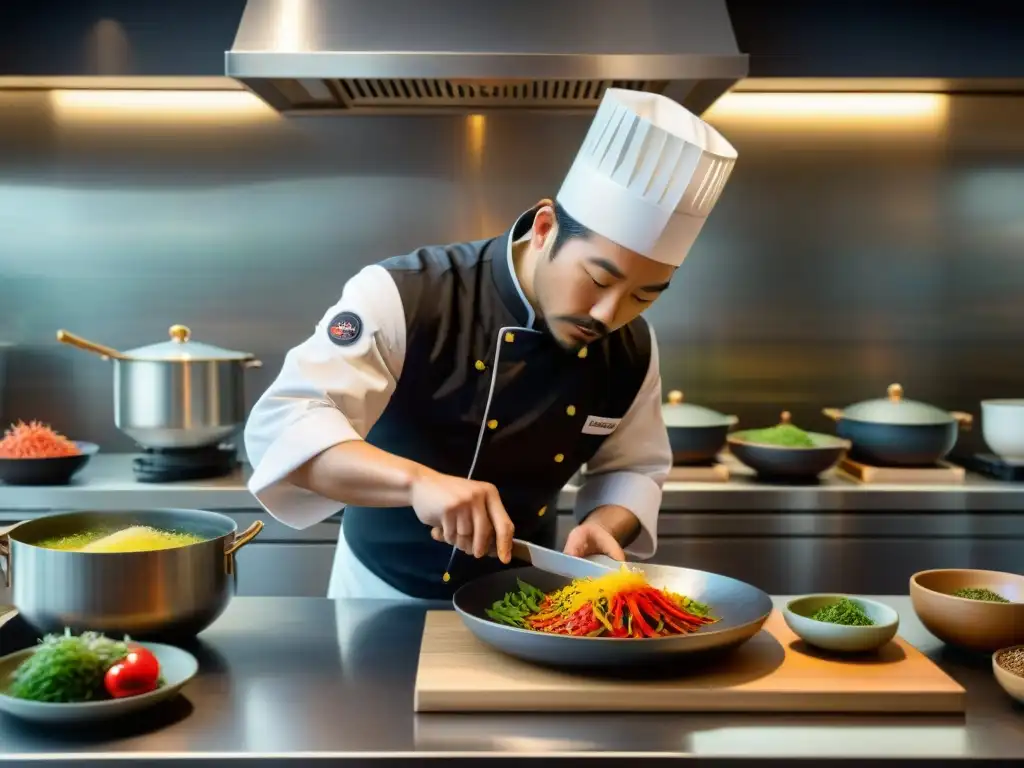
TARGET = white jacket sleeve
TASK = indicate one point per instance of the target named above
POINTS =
(630, 468)
(325, 394)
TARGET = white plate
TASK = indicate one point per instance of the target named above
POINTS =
(176, 666)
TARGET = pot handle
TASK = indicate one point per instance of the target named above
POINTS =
(833, 413)
(5, 553)
(240, 541)
(965, 420)
(252, 363)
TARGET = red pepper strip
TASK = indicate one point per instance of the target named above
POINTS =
(652, 616)
(654, 604)
(619, 628)
(638, 619)
(615, 612)
(674, 610)
(644, 603)
(587, 629)
(680, 629)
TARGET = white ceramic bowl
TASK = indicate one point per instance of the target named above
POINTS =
(1002, 427)
(1011, 683)
(838, 637)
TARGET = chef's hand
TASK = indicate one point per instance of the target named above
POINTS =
(467, 514)
(590, 538)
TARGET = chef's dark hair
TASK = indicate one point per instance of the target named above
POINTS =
(568, 228)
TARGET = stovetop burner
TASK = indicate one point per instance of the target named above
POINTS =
(168, 465)
(990, 465)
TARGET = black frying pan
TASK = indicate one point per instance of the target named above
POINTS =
(743, 609)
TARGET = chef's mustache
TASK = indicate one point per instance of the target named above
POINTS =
(596, 326)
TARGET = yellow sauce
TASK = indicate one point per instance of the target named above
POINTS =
(135, 538)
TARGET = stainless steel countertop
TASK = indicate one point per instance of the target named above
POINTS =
(107, 482)
(303, 679)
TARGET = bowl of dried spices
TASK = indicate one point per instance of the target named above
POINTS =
(976, 610)
(1008, 667)
(841, 622)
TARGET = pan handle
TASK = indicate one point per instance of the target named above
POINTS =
(833, 413)
(240, 541)
(89, 346)
(965, 420)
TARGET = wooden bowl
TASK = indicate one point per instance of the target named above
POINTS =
(1011, 683)
(975, 625)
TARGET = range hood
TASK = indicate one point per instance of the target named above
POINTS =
(387, 56)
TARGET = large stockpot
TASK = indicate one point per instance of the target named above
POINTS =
(695, 433)
(178, 393)
(167, 593)
(896, 432)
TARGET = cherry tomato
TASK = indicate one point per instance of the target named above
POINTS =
(136, 673)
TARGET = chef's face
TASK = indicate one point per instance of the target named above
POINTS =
(587, 286)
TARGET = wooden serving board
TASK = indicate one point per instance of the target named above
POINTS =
(941, 473)
(713, 473)
(773, 672)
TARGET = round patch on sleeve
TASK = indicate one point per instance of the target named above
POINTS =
(345, 329)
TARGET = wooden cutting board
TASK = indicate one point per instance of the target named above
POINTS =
(773, 672)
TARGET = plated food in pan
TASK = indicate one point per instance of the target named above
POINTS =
(621, 604)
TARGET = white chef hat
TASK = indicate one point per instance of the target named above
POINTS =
(648, 174)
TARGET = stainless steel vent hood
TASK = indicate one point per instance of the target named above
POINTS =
(386, 56)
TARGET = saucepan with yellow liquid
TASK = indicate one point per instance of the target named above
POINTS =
(166, 573)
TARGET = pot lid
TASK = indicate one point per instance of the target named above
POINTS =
(181, 347)
(676, 413)
(894, 409)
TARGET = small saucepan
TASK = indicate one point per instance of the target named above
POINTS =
(895, 432)
(696, 434)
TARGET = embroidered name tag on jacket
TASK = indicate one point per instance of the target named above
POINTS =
(600, 425)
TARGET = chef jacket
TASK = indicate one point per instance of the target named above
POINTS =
(438, 357)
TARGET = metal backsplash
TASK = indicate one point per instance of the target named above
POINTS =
(843, 256)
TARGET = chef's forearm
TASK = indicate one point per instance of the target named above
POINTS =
(358, 473)
(618, 521)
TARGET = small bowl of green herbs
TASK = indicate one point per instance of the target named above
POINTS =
(787, 452)
(841, 623)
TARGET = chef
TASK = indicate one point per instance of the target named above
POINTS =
(450, 393)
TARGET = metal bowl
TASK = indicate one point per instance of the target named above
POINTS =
(167, 594)
(742, 609)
